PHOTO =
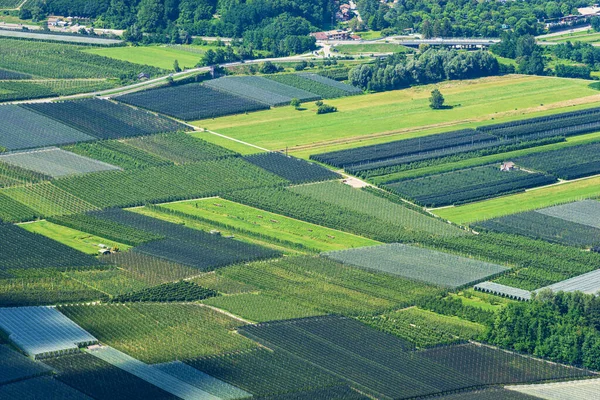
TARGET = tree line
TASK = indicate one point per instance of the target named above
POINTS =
(280, 27)
(464, 18)
(430, 66)
(563, 327)
(530, 59)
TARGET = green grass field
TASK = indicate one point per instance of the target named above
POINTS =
(530, 200)
(369, 48)
(156, 56)
(78, 240)
(383, 117)
(207, 226)
(369, 35)
(268, 224)
(260, 307)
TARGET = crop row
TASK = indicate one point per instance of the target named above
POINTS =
(418, 264)
(37, 388)
(179, 148)
(45, 200)
(106, 120)
(11, 175)
(22, 249)
(467, 185)
(581, 212)
(181, 291)
(303, 207)
(21, 128)
(15, 366)
(322, 78)
(55, 162)
(43, 288)
(99, 379)
(148, 269)
(568, 163)
(158, 332)
(424, 328)
(170, 183)
(64, 61)
(27, 90)
(484, 139)
(535, 263)
(464, 139)
(118, 153)
(191, 102)
(261, 89)
(293, 169)
(14, 211)
(373, 361)
(539, 226)
(266, 373)
(105, 228)
(540, 121)
(262, 307)
(324, 285)
(370, 205)
(319, 89)
(9, 75)
(181, 244)
(492, 366)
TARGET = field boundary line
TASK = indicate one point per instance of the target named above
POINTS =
(235, 140)
(219, 310)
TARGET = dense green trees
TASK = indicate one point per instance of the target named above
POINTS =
(456, 18)
(579, 52)
(563, 327)
(524, 50)
(280, 27)
(431, 66)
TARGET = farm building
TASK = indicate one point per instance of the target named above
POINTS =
(508, 166)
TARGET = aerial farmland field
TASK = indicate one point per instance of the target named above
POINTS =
(404, 114)
(263, 223)
(225, 200)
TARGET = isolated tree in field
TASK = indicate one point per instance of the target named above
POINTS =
(436, 101)
(176, 66)
(295, 103)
